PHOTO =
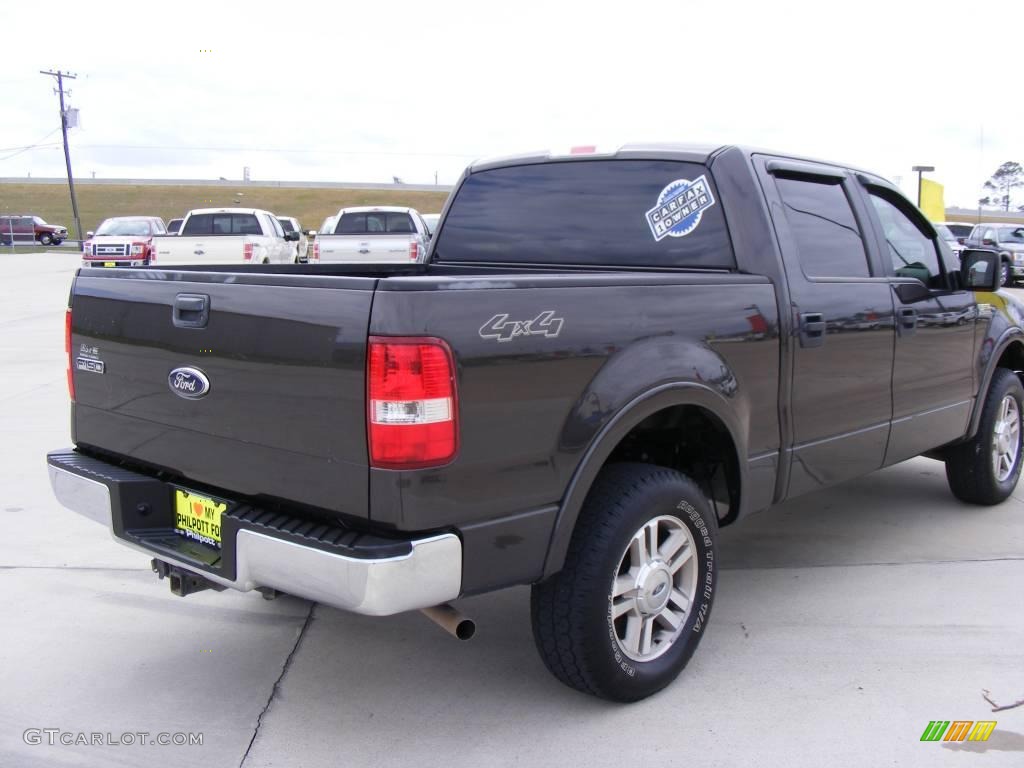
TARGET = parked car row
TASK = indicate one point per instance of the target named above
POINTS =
(251, 235)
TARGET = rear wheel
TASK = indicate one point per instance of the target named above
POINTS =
(626, 612)
(985, 470)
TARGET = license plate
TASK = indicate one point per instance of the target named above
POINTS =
(198, 517)
(109, 263)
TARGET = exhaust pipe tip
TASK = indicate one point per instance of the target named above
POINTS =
(451, 621)
(465, 629)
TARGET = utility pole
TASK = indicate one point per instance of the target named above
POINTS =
(64, 129)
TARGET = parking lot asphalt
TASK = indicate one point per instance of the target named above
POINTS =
(846, 620)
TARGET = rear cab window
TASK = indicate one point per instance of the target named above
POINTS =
(375, 223)
(222, 224)
(651, 213)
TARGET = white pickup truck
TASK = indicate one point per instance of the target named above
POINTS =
(227, 236)
(374, 234)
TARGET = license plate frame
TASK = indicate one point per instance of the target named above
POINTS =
(199, 517)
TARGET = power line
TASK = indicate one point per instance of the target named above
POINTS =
(64, 130)
(38, 144)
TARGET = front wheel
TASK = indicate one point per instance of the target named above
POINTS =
(626, 612)
(985, 469)
(1004, 273)
(45, 238)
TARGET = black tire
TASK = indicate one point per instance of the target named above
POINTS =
(45, 238)
(970, 468)
(57, 242)
(571, 611)
(1004, 273)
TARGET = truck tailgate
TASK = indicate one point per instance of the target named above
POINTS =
(369, 248)
(284, 356)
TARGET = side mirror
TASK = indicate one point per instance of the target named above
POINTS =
(986, 241)
(291, 237)
(89, 234)
(979, 270)
(962, 240)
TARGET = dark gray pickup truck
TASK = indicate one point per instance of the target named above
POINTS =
(605, 359)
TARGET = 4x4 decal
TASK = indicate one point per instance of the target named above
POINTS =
(501, 328)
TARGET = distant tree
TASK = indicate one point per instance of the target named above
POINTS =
(1008, 177)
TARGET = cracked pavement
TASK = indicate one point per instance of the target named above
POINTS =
(845, 621)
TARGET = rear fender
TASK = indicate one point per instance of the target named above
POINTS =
(684, 374)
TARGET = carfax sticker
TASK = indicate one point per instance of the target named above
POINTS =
(680, 207)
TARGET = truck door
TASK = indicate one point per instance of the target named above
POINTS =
(933, 381)
(840, 397)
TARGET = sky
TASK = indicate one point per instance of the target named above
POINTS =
(314, 91)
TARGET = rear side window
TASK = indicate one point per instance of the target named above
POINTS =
(655, 213)
(828, 241)
(375, 223)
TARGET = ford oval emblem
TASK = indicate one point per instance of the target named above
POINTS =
(190, 383)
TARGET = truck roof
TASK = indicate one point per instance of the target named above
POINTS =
(377, 209)
(228, 210)
(665, 150)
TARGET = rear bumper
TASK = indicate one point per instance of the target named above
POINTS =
(342, 568)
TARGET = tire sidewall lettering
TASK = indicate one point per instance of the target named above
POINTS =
(705, 586)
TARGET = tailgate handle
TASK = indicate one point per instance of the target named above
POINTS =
(191, 310)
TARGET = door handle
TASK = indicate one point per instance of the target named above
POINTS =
(907, 324)
(812, 329)
(364, 250)
(191, 310)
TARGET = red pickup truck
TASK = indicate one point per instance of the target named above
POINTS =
(23, 228)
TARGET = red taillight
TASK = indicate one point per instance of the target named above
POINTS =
(247, 252)
(67, 351)
(414, 251)
(316, 251)
(413, 409)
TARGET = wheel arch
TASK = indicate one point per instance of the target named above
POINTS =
(1008, 353)
(619, 427)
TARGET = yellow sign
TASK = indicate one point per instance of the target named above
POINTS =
(932, 200)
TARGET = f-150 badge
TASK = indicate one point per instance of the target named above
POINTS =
(680, 207)
(501, 328)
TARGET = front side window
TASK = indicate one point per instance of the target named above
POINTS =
(828, 240)
(1011, 235)
(911, 248)
(286, 225)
